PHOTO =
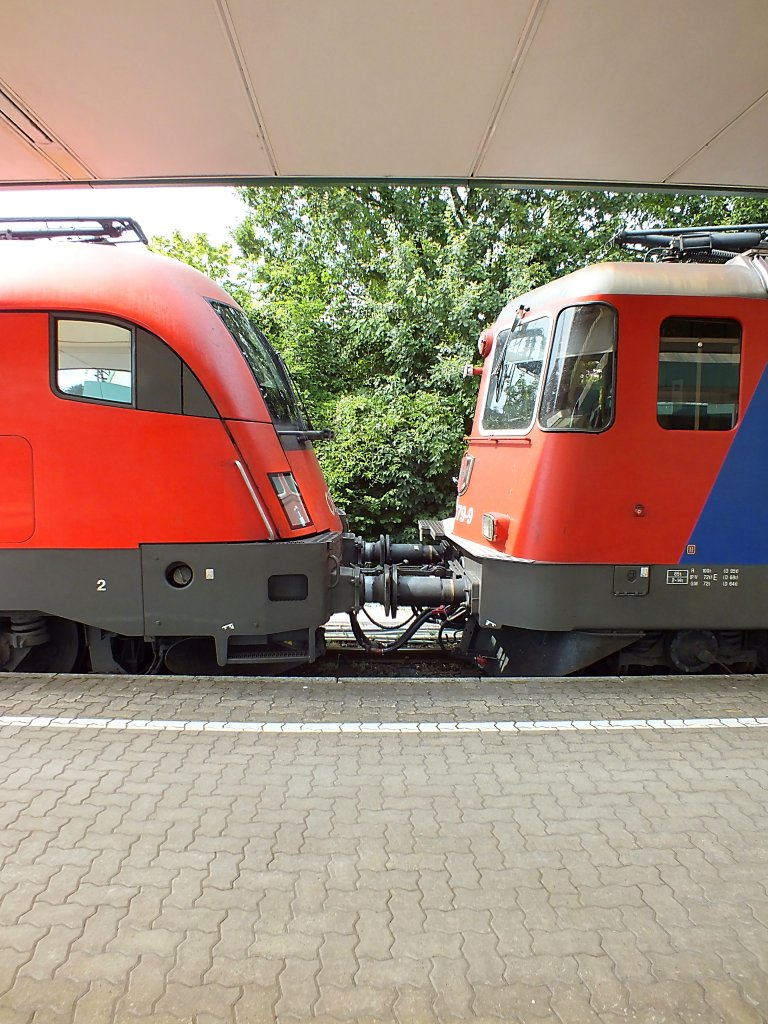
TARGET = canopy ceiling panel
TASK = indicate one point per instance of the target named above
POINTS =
(20, 160)
(148, 88)
(607, 96)
(615, 92)
(741, 144)
(400, 87)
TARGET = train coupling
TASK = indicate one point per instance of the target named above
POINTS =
(385, 551)
(395, 586)
(397, 575)
(423, 577)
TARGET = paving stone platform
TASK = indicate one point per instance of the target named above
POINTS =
(163, 875)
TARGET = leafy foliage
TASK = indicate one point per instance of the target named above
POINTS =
(375, 296)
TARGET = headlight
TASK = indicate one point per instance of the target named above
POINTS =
(495, 527)
(287, 490)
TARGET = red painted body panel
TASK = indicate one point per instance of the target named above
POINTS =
(574, 497)
(116, 477)
(17, 496)
(159, 294)
(259, 446)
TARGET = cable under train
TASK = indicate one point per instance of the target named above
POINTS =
(163, 508)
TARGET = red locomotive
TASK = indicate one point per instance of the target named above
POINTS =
(162, 503)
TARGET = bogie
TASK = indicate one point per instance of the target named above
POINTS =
(32, 642)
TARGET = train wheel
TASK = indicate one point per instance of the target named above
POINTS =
(61, 653)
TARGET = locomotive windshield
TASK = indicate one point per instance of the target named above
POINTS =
(265, 365)
(578, 390)
(514, 383)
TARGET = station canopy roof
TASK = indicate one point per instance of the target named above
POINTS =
(573, 92)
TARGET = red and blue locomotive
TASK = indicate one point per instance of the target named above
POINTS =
(611, 500)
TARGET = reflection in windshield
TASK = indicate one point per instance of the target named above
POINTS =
(265, 365)
(514, 383)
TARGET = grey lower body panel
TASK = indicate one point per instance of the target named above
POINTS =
(241, 588)
(94, 586)
(641, 597)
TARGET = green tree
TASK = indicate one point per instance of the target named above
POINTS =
(376, 296)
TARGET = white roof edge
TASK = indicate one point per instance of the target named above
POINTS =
(739, 278)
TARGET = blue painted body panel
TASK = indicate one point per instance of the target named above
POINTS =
(733, 526)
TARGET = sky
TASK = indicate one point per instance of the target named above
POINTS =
(211, 210)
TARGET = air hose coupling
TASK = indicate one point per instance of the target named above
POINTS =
(393, 587)
(385, 551)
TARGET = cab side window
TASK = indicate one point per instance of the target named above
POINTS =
(94, 360)
(699, 368)
(120, 364)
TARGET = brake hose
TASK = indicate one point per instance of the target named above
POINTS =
(377, 648)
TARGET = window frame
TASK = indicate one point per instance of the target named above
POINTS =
(136, 332)
(614, 373)
(737, 410)
(508, 329)
(54, 319)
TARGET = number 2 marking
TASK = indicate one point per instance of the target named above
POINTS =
(101, 585)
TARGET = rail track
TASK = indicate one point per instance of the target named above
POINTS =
(425, 654)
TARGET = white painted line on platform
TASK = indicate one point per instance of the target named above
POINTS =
(379, 728)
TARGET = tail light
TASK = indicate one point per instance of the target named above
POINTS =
(289, 495)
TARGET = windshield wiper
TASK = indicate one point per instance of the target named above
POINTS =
(302, 436)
